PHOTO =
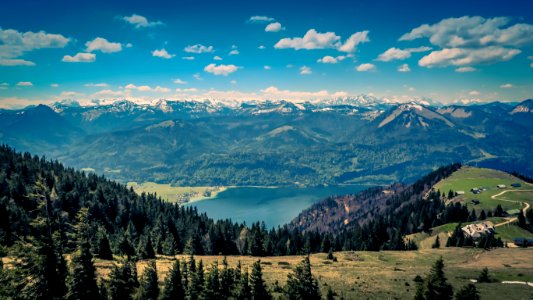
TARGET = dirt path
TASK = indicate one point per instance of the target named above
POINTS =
(526, 207)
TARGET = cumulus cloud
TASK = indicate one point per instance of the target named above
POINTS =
(404, 68)
(506, 86)
(217, 58)
(102, 84)
(465, 69)
(179, 81)
(315, 40)
(223, 70)
(147, 88)
(234, 52)
(189, 90)
(197, 76)
(162, 53)
(467, 57)
(260, 19)
(267, 67)
(400, 54)
(261, 47)
(141, 22)
(80, 57)
(472, 40)
(4, 86)
(103, 45)
(365, 67)
(54, 85)
(187, 57)
(14, 44)
(354, 40)
(24, 83)
(199, 48)
(274, 27)
(474, 93)
(473, 31)
(330, 59)
(305, 70)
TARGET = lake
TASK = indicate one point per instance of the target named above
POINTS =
(274, 206)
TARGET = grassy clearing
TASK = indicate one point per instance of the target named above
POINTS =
(389, 274)
(175, 193)
(470, 177)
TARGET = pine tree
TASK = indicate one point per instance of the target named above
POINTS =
(121, 282)
(212, 284)
(125, 247)
(227, 281)
(81, 281)
(436, 244)
(521, 220)
(482, 215)
(437, 286)
(149, 288)
(173, 284)
(330, 295)
(104, 249)
(257, 284)
(529, 217)
(301, 284)
(467, 292)
(484, 276)
(243, 289)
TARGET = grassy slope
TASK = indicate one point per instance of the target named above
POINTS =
(170, 193)
(389, 274)
(469, 177)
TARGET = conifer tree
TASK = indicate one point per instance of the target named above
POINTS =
(467, 292)
(104, 249)
(226, 280)
(257, 284)
(173, 284)
(243, 289)
(212, 284)
(301, 284)
(149, 288)
(484, 276)
(436, 244)
(436, 285)
(121, 282)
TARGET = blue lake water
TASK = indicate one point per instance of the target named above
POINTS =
(274, 206)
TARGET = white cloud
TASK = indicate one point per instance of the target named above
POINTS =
(199, 48)
(14, 44)
(474, 93)
(473, 32)
(4, 86)
(24, 83)
(330, 59)
(274, 27)
(197, 76)
(305, 70)
(465, 69)
(404, 68)
(16, 62)
(188, 57)
(189, 90)
(354, 40)
(400, 54)
(102, 84)
(147, 88)
(223, 70)
(311, 40)
(233, 82)
(140, 22)
(128, 45)
(260, 19)
(267, 68)
(261, 47)
(506, 86)
(80, 57)
(365, 67)
(467, 57)
(54, 85)
(315, 40)
(217, 58)
(162, 53)
(179, 81)
(102, 45)
(531, 65)
(234, 52)
(411, 89)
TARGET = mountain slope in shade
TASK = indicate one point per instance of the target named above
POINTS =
(413, 115)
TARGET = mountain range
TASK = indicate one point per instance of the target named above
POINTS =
(340, 141)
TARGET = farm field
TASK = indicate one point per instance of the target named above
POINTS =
(387, 274)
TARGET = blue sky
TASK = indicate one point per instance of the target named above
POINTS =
(295, 50)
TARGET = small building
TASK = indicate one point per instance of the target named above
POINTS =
(516, 185)
(477, 230)
(460, 192)
(501, 186)
(523, 241)
(475, 201)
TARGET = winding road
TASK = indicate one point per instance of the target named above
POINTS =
(510, 220)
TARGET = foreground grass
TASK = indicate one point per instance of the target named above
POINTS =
(388, 274)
